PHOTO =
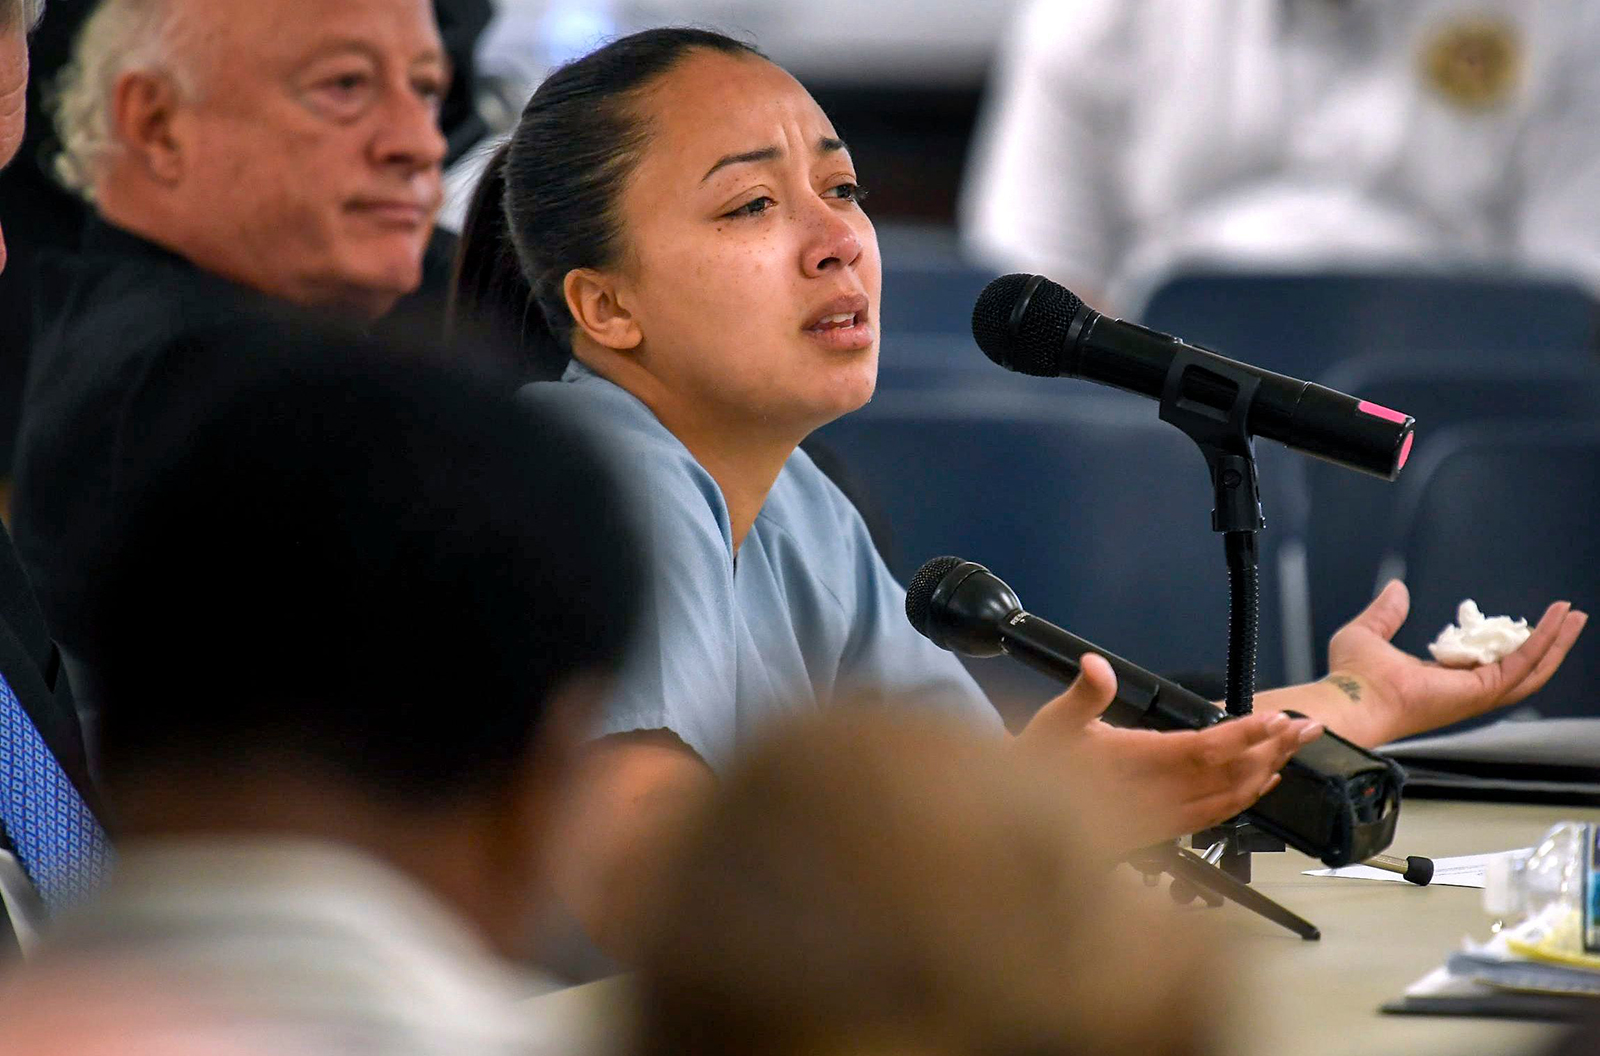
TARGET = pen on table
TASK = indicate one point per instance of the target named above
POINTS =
(1415, 868)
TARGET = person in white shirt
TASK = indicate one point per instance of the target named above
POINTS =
(1123, 137)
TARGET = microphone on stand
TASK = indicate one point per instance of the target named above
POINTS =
(963, 607)
(1030, 325)
(1337, 802)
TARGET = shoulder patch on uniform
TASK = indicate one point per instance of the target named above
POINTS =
(1474, 62)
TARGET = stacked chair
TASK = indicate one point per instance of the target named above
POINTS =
(1506, 512)
(1306, 323)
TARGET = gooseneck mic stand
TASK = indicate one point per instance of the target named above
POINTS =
(1211, 404)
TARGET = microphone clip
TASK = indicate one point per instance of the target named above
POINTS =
(1210, 404)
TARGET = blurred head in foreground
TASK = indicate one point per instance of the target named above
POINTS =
(869, 883)
(292, 146)
(364, 601)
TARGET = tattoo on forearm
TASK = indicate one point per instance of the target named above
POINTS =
(1346, 685)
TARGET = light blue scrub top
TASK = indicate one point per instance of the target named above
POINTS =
(808, 616)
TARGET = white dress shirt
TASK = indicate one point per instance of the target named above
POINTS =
(1123, 136)
(310, 948)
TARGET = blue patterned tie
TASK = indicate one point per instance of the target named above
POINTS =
(61, 846)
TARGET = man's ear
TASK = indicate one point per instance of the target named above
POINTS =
(144, 106)
(595, 301)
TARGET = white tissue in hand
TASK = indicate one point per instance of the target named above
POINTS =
(1478, 639)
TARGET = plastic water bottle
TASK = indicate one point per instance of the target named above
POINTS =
(1548, 897)
(1524, 884)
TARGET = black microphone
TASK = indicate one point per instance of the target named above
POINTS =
(1031, 325)
(963, 607)
(1336, 802)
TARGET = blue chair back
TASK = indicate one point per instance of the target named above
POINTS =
(1303, 323)
(1348, 512)
(1508, 515)
(932, 297)
(923, 362)
(1096, 512)
(916, 356)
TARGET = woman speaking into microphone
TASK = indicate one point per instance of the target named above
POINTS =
(676, 232)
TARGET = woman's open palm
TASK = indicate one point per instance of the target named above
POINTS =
(1410, 695)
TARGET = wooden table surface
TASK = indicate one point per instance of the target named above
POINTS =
(1377, 938)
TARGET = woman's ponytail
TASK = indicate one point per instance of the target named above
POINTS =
(490, 297)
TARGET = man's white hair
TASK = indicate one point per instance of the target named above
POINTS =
(20, 14)
(122, 36)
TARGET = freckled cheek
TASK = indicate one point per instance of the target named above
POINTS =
(727, 296)
(755, 278)
(731, 285)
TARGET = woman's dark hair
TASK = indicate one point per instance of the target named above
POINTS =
(548, 202)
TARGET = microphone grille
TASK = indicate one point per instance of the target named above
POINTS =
(1034, 346)
(919, 595)
(1042, 332)
(991, 317)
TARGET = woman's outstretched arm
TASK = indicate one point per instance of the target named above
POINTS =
(1375, 693)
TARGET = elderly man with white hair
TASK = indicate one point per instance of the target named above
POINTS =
(286, 151)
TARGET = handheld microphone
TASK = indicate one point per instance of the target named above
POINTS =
(1336, 802)
(1031, 325)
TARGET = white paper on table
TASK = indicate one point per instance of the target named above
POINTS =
(1441, 983)
(1466, 870)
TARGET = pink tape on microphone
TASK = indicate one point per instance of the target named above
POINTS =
(1377, 410)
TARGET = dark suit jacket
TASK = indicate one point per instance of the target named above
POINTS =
(114, 379)
(106, 362)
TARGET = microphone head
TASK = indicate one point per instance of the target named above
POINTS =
(960, 605)
(919, 594)
(1021, 323)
